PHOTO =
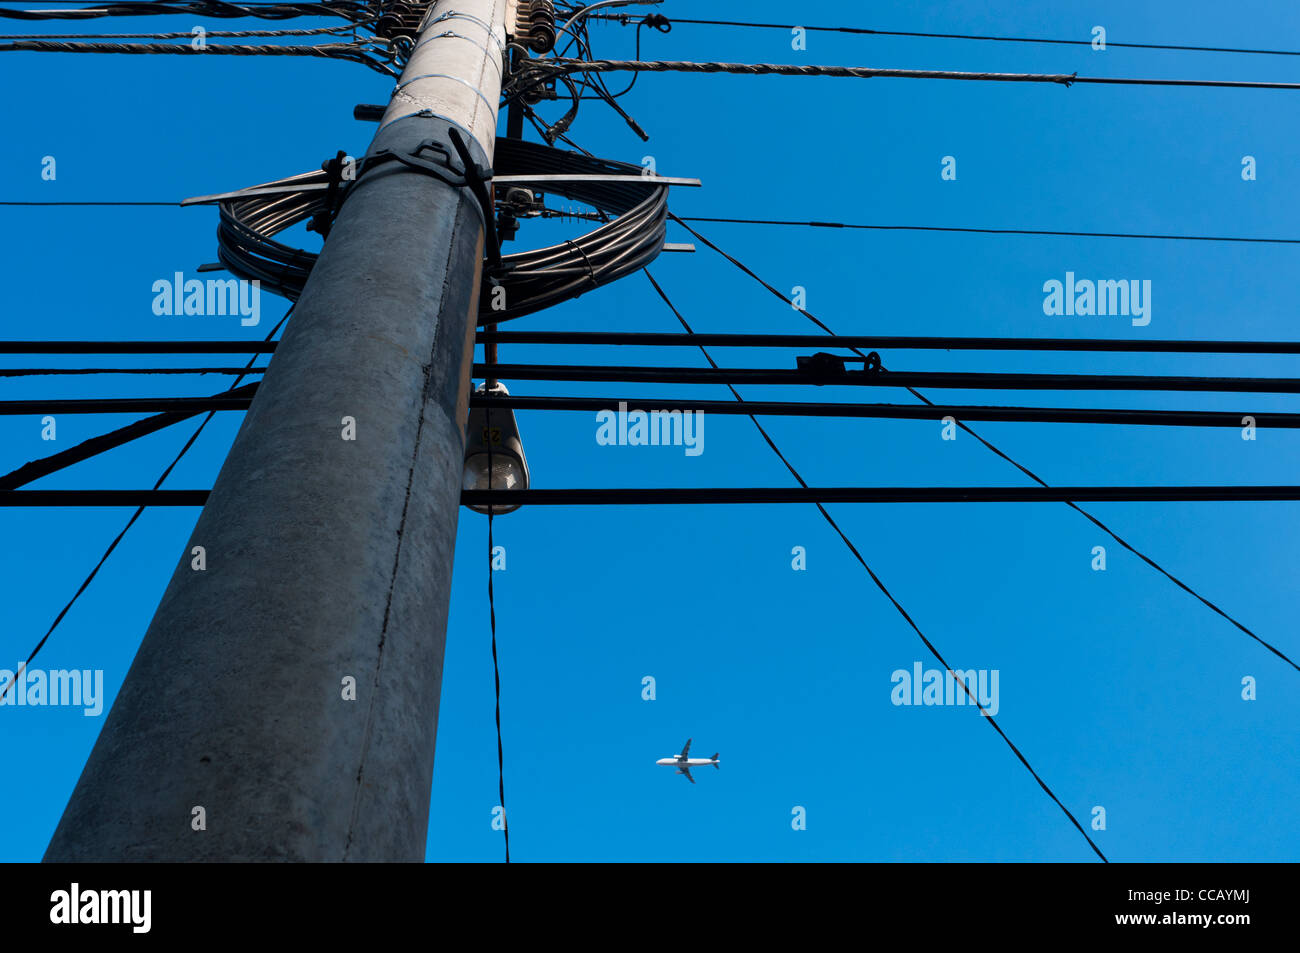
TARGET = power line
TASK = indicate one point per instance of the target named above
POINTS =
(496, 664)
(641, 496)
(872, 341)
(960, 380)
(122, 405)
(82, 203)
(67, 371)
(357, 52)
(140, 508)
(179, 36)
(556, 67)
(137, 347)
(957, 36)
(933, 412)
(989, 231)
(879, 582)
(138, 498)
(857, 226)
(622, 496)
(44, 466)
(1015, 463)
(348, 9)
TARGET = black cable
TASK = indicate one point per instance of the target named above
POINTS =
(230, 34)
(932, 412)
(874, 341)
(357, 52)
(123, 405)
(960, 380)
(347, 9)
(114, 204)
(64, 371)
(496, 666)
(129, 523)
(82, 498)
(596, 83)
(538, 71)
(732, 495)
(712, 496)
(137, 347)
(1019, 466)
(990, 231)
(859, 226)
(43, 466)
(959, 36)
(533, 279)
(881, 585)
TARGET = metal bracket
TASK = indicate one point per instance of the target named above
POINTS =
(434, 157)
(440, 167)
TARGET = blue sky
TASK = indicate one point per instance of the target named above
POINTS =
(1123, 691)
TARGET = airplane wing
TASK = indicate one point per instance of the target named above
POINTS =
(686, 749)
(686, 770)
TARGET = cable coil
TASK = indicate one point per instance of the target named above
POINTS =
(633, 236)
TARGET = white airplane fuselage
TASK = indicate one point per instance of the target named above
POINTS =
(684, 762)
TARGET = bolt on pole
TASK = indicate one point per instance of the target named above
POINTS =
(283, 704)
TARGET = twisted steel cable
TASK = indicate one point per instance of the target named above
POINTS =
(542, 70)
(348, 9)
(358, 52)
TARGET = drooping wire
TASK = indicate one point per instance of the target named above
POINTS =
(496, 665)
(530, 114)
(990, 231)
(131, 522)
(593, 82)
(1025, 470)
(884, 589)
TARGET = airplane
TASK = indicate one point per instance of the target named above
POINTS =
(684, 763)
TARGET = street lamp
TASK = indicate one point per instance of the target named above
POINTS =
(494, 434)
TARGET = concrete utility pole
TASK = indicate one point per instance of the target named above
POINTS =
(327, 558)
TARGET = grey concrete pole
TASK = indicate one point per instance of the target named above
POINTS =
(236, 735)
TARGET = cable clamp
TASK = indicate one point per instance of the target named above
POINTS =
(324, 219)
(434, 158)
(823, 368)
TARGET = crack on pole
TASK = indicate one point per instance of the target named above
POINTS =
(402, 94)
(397, 555)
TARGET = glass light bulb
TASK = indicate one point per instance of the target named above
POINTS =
(506, 472)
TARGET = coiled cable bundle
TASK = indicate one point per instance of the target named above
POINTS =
(635, 208)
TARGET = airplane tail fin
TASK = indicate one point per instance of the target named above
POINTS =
(715, 761)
